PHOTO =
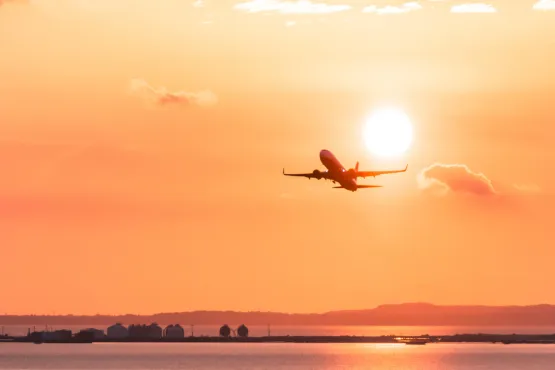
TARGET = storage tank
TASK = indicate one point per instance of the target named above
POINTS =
(174, 331)
(117, 331)
(225, 331)
(243, 331)
(154, 331)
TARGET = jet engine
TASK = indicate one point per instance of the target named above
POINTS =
(317, 174)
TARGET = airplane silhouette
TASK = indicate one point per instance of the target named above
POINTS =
(337, 173)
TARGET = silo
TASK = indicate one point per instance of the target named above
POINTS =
(154, 331)
(174, 332)
(243, 331)
(117, 331)
(225, 331)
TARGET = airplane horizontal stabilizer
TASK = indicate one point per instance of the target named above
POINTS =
(368, 186)
(360, 186)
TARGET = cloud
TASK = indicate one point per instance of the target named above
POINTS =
(544, 5)
(392, 9)
(290, 7)
(458, 178)
(473, 8)
(162, 96)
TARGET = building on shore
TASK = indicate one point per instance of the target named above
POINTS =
(95, 333)
(57, 335)
(117, 331)
(174, 332)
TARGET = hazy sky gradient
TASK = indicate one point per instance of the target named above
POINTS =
(142, 145)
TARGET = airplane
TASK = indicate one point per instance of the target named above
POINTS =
(347, 179)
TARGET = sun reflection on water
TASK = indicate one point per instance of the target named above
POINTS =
(383, 345)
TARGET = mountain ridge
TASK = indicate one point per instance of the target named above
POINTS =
(404, 314)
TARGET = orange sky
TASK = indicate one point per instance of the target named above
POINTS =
(111, 202)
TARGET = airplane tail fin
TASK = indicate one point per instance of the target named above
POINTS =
(356, 167)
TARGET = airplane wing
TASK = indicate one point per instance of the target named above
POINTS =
(311, 175)
(377, 173)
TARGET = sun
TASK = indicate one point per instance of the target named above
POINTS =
(388, 132)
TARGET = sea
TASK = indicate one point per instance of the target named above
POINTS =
(297, 356)
(274, 356)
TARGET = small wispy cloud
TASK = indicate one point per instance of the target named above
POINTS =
(544, 5)
(457, 178)
(473, 8)
(527, 188)
(290, 7)
(198, 4)
(393, 9)
(162, 96)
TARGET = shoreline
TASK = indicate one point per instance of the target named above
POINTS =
(408, 340)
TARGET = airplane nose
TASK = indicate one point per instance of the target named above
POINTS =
(324, 153)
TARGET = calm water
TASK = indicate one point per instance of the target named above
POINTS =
(119, 356)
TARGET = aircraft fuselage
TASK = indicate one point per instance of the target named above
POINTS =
(338, 174)
(336, 171)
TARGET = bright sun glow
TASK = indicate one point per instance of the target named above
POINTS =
(388, 132)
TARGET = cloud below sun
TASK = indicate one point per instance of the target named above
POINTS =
(442, 179)
(458, 178)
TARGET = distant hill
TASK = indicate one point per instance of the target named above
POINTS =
(407, 314)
